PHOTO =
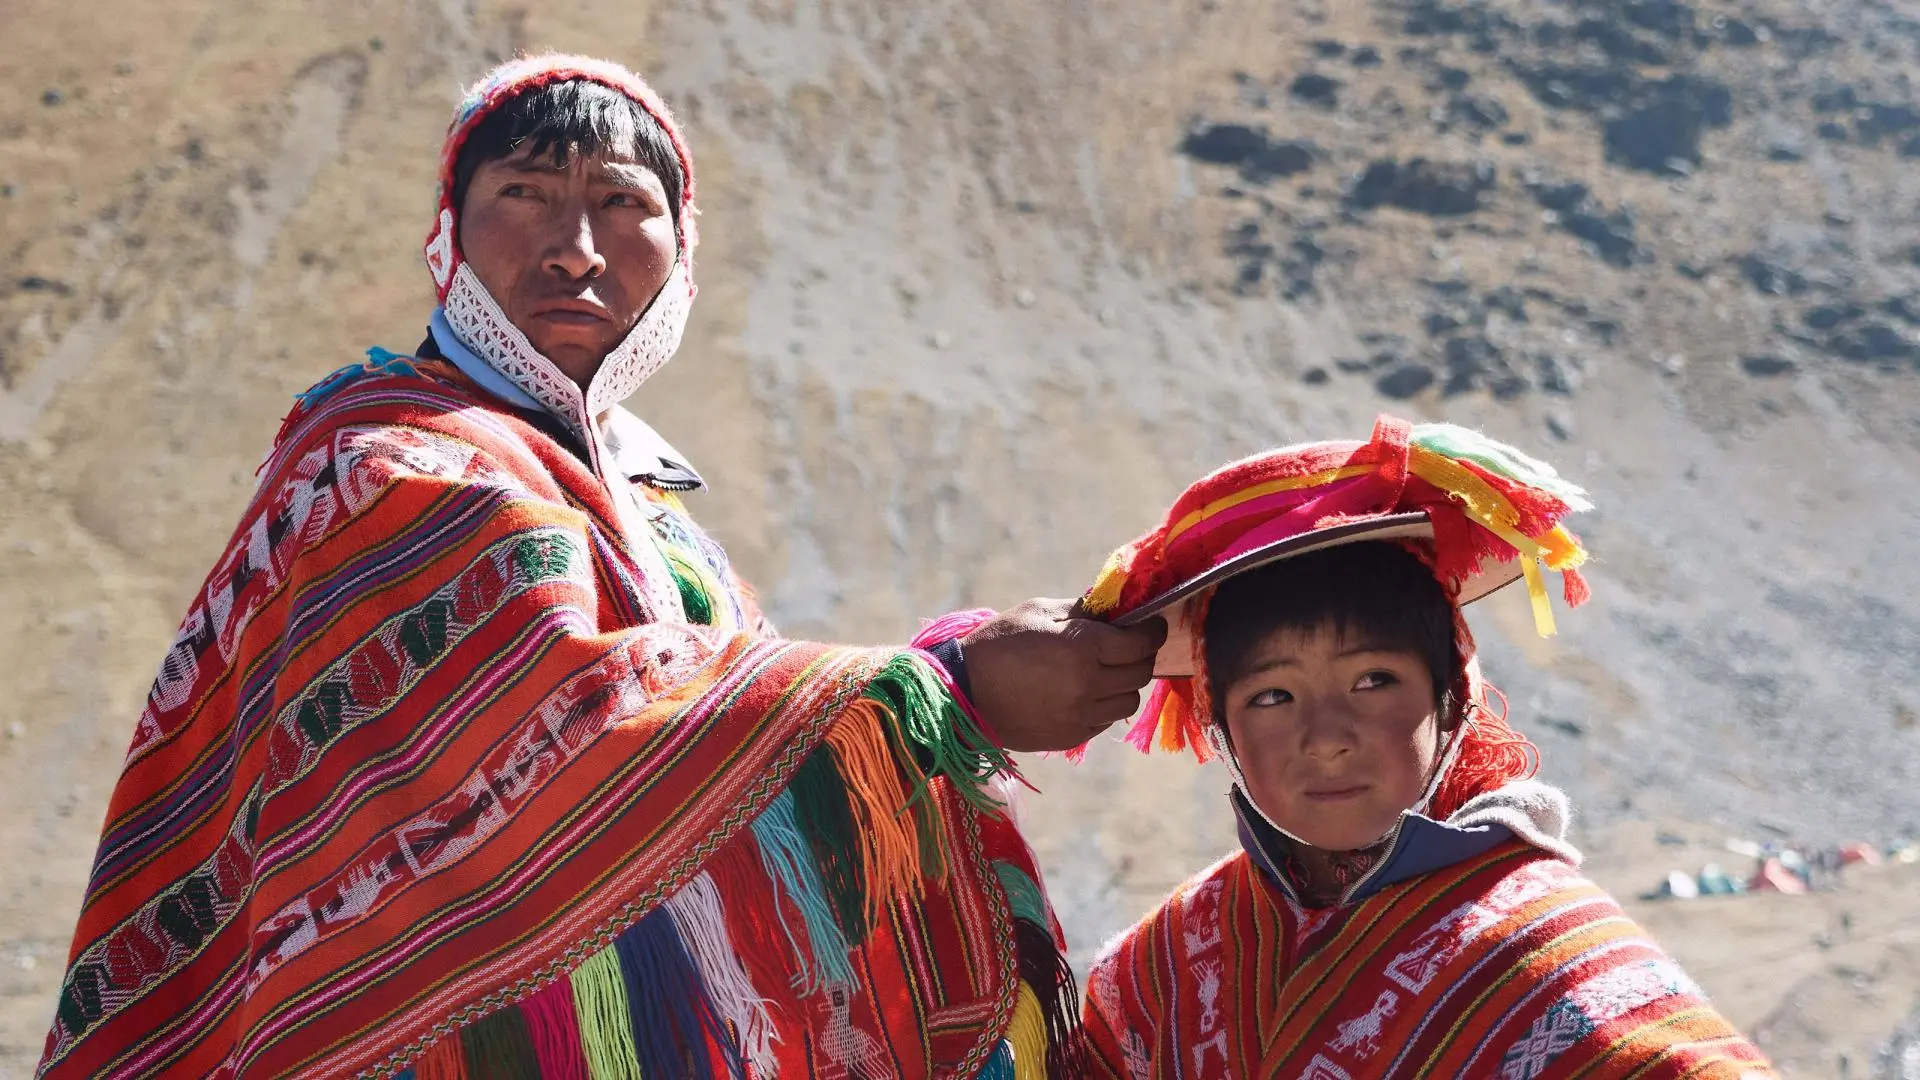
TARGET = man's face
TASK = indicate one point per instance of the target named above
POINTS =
(1335, 737)
(574, 256)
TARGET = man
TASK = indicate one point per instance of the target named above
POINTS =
(474, 758)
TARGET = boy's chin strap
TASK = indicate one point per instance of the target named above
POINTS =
(1216, 735)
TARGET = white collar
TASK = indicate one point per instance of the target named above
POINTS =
(477, 321)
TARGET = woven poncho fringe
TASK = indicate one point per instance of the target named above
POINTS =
(420, 791)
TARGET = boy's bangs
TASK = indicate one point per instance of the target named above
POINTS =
(1373, 591)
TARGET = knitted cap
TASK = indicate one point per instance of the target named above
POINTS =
(512, 79)
(1481, 513)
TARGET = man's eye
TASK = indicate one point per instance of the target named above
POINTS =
(516, 191)
(1268, 698)
(624, 198)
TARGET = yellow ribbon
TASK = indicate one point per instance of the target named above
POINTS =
(1485, 504)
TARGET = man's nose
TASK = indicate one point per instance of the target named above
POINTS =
(573, 253)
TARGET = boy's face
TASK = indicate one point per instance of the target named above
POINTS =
(1335, 736)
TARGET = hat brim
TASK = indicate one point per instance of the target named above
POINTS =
(1176, 656)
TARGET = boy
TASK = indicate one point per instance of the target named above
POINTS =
(1405, 903)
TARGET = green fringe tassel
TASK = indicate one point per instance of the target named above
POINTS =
(606, 1026)
(695, 596)
(825, 818)
(931, 721)
(1023, 895)
(499, 1046)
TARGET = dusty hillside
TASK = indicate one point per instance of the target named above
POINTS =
(984, 284)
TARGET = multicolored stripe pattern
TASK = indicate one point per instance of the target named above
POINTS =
(423, 790)
(1510, 965)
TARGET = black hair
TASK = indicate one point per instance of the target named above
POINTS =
(1374, 591)
(560, 119)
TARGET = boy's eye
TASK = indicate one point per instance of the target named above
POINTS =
(624, 198)
(516, 191)
(1375, 680)
(1269, 698)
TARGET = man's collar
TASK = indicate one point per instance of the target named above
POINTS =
(639, 453)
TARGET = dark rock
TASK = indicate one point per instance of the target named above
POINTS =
(1663, 135)
(1784, 151)
(1828, 316)
(1766, 366)
(1611, 234)
(1842, 99)
(1224, 144)
(1315, 376)
(1672, 20)
(1831, 131)
(51, 97)
(1619, 42)
(1316, 90)
(1913, 255)
(1586, 88)
(1366, 56)
(1328, 50)
(1438, 189)
(1453, 78)
(1259, 158)
(1282, 158)
(1557, 374)
(1771, 277)
(1904, 308)
(1560, 197)
(1911, 148)
(1480, 110)
(1873, 341)
(1438, 323)
(1473, 362)
(1508, 301)
(1405, 381)
(1429, 18)
(1692, 272)
(1516, 138)
(1559, 424)
(1735, 32)
(1881, 120)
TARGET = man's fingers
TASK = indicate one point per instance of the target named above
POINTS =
(1118, 647)
(1114, 708)
(1114, 679)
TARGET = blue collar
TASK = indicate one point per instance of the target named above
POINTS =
(475, 368)
(639, 452)
(1422, 846)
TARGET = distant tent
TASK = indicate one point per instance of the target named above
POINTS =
(1680, 886)
(1773, 876)
(1865, 854)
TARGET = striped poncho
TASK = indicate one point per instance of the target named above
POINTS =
(1507, 964)
(425, 789)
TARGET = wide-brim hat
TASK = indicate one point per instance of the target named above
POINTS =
(1481, 513)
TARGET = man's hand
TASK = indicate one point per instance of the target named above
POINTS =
(1045, 678)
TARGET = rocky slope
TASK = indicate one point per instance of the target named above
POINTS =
(984, 285)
